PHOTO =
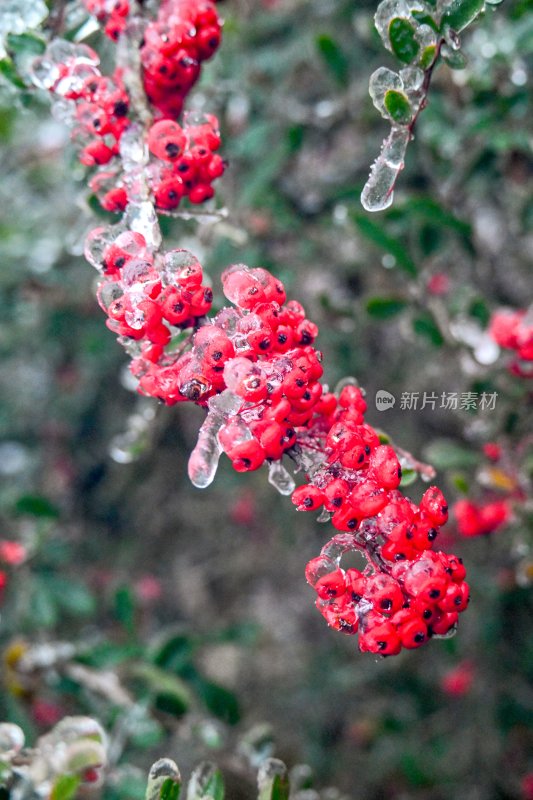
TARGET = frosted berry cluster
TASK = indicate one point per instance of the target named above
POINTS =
(112, 14)
(406, 593)
(148, 298)
(183, 162)
(513, 330)
(95, 106)
(260, 351)
(400, 606)
(253, 366)
(185, 33)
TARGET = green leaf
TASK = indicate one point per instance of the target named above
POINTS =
(447, 454)
(125, 607)
(409, 476)
(461, 13)
(480, 311)
(273, 781)
(219, 700)
(424, 18)
(173, 652)
(109, 654)
(170, 790)
(374, 232)
(425, 326)
(169, 692)
(427, 56)
(9, 71)
(25, 44)
(43, 609)
(334, 58)
(215, 786)
(71, 595)
(431, 210)
(398, 106)
(385, 307)
(65, 787)
(460, 482)
(403, 40)
(36, 506)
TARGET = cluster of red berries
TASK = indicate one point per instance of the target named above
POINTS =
(262, 352)
(98, 106)
(513, 330)
(392, 606)
(148, 299)
(112, 14)
(407, 593)
(185, 33)
(184, 164)
(253, 366)
(480, 519)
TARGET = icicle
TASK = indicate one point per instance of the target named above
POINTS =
(204, 458)
(280, 478)
(378, 192)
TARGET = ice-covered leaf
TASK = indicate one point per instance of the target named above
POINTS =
(206, 783)
(398, 106)
(460, 13)
(403, 40)
(455, 59)
(65, 787)
(164, 781)
(273, 781)
(427, 56)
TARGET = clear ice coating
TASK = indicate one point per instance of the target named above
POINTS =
(160, 773)
(394, 9)
(204, 458)
(378, 191)
(280, 478)
(140, 214)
